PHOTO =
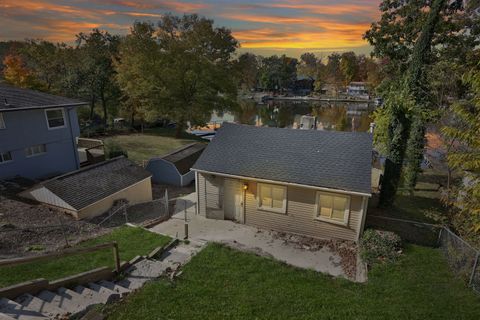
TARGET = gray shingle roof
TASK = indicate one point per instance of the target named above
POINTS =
(184, 157)
(330, 159)
(13, 98)
(93, 183)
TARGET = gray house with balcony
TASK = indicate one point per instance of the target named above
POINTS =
(38, 133)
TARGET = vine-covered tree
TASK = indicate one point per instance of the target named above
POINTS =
(407, 34)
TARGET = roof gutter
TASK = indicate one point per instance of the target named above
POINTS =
(286, 183)
(12, 109)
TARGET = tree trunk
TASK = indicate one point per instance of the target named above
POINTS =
(415, 149)
(179, 128)
(104, 107)
(398, 134)
(92, 106)
(132, 119)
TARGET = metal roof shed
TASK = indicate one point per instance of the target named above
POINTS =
(174, 168)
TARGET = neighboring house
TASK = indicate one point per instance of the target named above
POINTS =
(92, 190)
(174, 168)
(309, 182)
(357, 89)
(38, 133)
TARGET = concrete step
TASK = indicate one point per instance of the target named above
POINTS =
(82, 301)
(36, 304)
(132, 283)
(63, 301)
(113, 296)
(176, 257)
(92, 295)
(116, 288)
(142, 272)
(15, 310)
(147, 269)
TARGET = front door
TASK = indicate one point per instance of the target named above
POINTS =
(233, 199)
(239, 217)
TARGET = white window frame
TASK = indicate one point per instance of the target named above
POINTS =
(36, 154)
(2, 160)
(63, 115)
(346, 216)
(2, 122)
(282, 210)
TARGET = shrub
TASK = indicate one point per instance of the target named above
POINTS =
(114, 150)
(380, 246)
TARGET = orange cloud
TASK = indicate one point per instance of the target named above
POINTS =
(163, 5)
(270, 38)
(331, 9)
(319, 23)
(35, 6)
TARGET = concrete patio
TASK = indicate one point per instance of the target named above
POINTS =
(246, 238)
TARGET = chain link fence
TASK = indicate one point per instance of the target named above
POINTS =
(461, 256)
(140, 213)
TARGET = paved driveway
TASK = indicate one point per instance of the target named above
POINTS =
(246, 238)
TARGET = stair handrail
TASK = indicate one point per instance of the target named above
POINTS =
(65, 253)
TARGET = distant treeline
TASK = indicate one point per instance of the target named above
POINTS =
(178, 69)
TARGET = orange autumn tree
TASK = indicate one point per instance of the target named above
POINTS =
(16, 73)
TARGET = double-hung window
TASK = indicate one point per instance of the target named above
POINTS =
(35, 150)
(332, 207)
(2, 121)
(5, 157)
(55, 118)
(272, 197)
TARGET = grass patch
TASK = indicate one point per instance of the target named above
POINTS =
(131, 242)
(420, 205)
(222, 283)
(152, 143)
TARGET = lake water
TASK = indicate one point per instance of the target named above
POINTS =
(340, 116)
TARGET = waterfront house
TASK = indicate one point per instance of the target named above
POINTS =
(357, 89)
(309, 182)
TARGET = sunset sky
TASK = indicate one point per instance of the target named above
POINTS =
(264, 27)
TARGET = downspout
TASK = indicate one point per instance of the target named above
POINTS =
(364, 217)
(74, 145)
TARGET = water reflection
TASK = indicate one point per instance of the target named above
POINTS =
(340, 116)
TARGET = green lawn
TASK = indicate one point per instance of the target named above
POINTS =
(152, 143)
(420, 205)
(221, 283)
(131, 242)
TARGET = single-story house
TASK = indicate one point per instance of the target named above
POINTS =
(174, 168)
(309, 182)
(92, 190)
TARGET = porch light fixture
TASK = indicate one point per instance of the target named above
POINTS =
(245, 186)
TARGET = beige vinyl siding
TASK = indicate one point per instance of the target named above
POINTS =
(300, 217)
(137, 193)
(212, 196)
(202, 208)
